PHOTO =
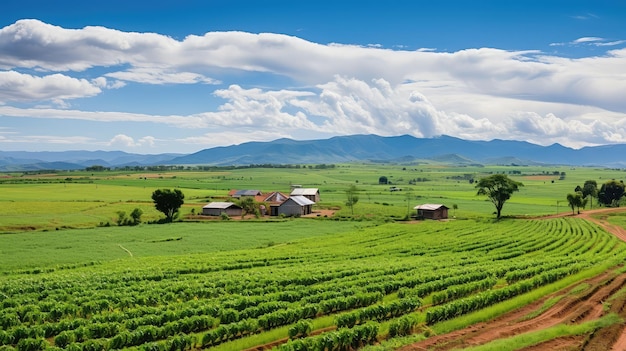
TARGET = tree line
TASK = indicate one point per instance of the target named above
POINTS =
(609, 194)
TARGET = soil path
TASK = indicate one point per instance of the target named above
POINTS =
(573, 307)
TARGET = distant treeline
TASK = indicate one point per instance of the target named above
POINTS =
(162, 168)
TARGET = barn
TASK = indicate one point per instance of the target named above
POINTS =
(217, 208)
(432, 211)
(312, 194)
(295, 206)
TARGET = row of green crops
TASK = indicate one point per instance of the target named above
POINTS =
(400, 274)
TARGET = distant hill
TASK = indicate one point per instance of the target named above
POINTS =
(11, 161)
(405, 148)
(376, 148)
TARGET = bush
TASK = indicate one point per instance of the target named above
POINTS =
(30, 344)
(301, 329)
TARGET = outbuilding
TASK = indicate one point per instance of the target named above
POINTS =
(295, 206)
(218, 208)
(312, 194)
(432, 211)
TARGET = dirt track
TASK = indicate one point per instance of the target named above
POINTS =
(573, 307)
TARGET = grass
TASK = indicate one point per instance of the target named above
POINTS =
(37, 209)
(79, 246)
(49, 201)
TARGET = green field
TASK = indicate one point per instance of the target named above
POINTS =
(84, 200)
(37, 250)
(68, 282)
(372, 277)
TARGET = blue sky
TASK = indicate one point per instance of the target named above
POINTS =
(165, 76)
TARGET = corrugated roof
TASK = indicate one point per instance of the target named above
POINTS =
(248, 192)
(304, 191)
(275, 197)
(301, 200)
(429, 207)
(221, 205)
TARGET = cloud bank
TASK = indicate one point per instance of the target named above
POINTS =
(332, 89)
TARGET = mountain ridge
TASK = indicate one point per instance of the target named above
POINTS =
(338, 149)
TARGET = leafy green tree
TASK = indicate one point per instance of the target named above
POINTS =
(168, 201)
(611, 192)
(136, 216)
(352, 197)
(576, 200)
(498, 188)
(121, 218)
(247, 204)
(590, 190)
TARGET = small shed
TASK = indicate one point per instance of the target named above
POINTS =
(432, 211)
(312, 194)
(295, 206)
(217, 208)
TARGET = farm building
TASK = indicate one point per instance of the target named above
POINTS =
(312, 194)
(432, 211)
(217, 208)
(294, 206)
(237, 194)
(274, 200)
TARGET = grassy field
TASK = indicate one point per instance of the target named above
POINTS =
(83, 200)
(69, 279)
(46, 250)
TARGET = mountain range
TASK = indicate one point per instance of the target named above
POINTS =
(341, 149)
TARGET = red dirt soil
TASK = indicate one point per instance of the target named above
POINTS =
(572, 308)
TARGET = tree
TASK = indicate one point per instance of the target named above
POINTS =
(611, 192)
(136, 216)
(247, 204)
(352, 197)
(168, 201)
(590, 190)
(121, 218)
(576, 200)
(498, 188)
(383, 180)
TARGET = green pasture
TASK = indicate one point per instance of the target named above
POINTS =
(51, 201)
(31, 250)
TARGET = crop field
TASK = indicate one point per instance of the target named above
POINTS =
(363, 285)
(369, 277)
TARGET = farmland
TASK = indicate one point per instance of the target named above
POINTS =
(340, 282)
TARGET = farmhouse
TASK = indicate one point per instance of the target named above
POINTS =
(217, 208)
(294, 206)
(273, 199)
(299, 203)
(432, 211)
(312, 194)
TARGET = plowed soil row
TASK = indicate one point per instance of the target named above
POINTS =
(577, 307)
